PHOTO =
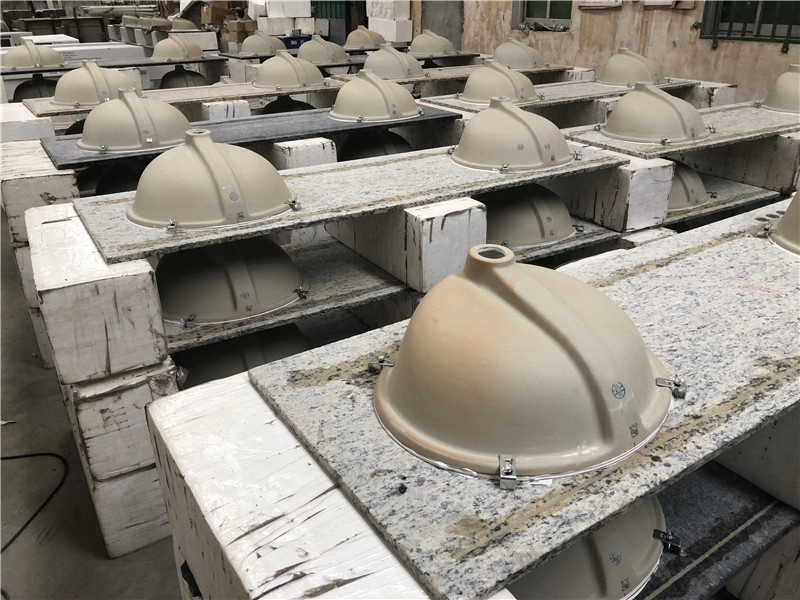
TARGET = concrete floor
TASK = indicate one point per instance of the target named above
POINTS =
(61, 553)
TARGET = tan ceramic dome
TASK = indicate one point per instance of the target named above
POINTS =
(132, 123)
(205, 184)
(319, 51)
(627, 67)
(785, 94)
(429, 43)
(503, 358)
(36, 87)
(370, 98)
(284, 71)
(181, 24)
(525, 216)
(160, 23)
(648, 114)
(516, 55)
(495, 79)
(175, 48)
(389, 63)
(239, 354)
(362, 38)
(786, 233)
(181, 77)
(227, 282)
(368, 144)
(91, 85)
(505, 137)
(30, 56)
(688, 190)
(261, 43)
(613, 562)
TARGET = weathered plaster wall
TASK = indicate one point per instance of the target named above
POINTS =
(662, 35)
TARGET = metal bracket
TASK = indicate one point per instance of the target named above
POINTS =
(678, 386)
(172, 227)
(711, 129)
(508, 472)
(598, 127)
(504, 168)
(672, 544)
(302, 293)
(187, 320)
(383, 361)
(578, 155)
(294, 204)
(665, 141)
(579, 228)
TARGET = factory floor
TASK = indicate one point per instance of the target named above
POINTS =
(61, 553)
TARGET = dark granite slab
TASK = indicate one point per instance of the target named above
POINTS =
(242, 132)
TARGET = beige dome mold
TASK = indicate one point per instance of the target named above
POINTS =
(203, 184)
(132, 123)
(320, 51)
(510, 359)
(496, 79)
(627, 67)
(506, 138)
(363, 38)
(30, 56)
(584, 570)
(370, 98)
(650, 115)
(389, 63)
(785, 93)
(688, 190)
(429, 43)
(284, 71)
(516, 55)
(786, 232)
(227, 282)
(261, 43)
(525, 216)
(175, 48)
(91, 85)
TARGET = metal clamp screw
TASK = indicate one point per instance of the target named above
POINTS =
(665, 141)
(672, 544)
(678, 386)
(189, 319)
(578, 155)
(294, 204)
(172, 226)
(508, 472)
(711, 129)
(377, 366)
(597, 127)
(302, 293)
(579, 228)
(504, 168)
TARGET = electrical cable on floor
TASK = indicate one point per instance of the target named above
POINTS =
(50, 497)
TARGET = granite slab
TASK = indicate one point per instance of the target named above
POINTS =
(724, 196)
(246, 131)
(121, 63)
(326, 193)
(459, 73)
(43, 107)
(553, 94)
(732, 123)
(336, 278)
(722, 314)
(724, 523)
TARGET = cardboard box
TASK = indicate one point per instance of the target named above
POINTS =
(214, 13)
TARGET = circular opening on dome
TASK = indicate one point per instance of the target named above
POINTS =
(491, 253)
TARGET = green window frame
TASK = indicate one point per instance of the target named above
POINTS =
(750, 21)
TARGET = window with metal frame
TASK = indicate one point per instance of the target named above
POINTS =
(554, 15)
(771, 21)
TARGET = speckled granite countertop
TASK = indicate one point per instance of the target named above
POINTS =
(330, 192)
(717, 305)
